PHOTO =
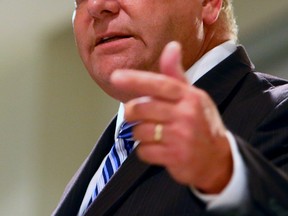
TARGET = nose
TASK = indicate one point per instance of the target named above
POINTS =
(102, 8)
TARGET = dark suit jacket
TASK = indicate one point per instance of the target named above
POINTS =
(254, 107)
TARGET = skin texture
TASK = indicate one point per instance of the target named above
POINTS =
(133, 68)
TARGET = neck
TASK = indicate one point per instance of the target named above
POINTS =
(214, 35)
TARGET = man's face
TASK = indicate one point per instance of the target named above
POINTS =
(117, 34)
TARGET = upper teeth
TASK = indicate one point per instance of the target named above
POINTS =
(106, 38)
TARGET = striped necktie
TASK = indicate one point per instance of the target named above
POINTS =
(122, 147)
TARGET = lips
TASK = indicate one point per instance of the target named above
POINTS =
(110, 38)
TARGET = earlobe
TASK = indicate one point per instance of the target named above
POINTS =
(211, 11)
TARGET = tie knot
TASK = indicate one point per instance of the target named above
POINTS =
(126, 134)
(125, 131)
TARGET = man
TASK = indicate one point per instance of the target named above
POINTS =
(212, 134)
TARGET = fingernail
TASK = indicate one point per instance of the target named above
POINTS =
(117, 75)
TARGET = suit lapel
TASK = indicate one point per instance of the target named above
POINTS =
(121, 184)
(117, 188)
(76, 189)
(224, 80)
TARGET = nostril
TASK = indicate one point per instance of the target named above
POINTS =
(102, 8)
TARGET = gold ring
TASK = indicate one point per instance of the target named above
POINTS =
(158, 132)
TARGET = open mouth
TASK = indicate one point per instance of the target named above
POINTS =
(110, 39)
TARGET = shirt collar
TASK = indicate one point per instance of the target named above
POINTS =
(196, 71)
(210, 60)
(120, 119)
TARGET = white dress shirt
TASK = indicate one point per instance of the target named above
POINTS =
(236, 189)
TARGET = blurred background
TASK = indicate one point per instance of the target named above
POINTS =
(51, 112)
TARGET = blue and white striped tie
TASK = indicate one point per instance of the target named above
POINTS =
(117, 155)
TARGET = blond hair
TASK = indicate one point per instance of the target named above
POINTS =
(229, 21)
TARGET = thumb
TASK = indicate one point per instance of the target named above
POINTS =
(170, 61)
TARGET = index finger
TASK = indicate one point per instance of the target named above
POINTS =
(143, 83)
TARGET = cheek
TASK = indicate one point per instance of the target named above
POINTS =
(82, 41)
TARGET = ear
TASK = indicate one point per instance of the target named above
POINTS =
(211, 11)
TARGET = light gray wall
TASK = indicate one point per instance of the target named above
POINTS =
(51, 112)
(264, 32)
